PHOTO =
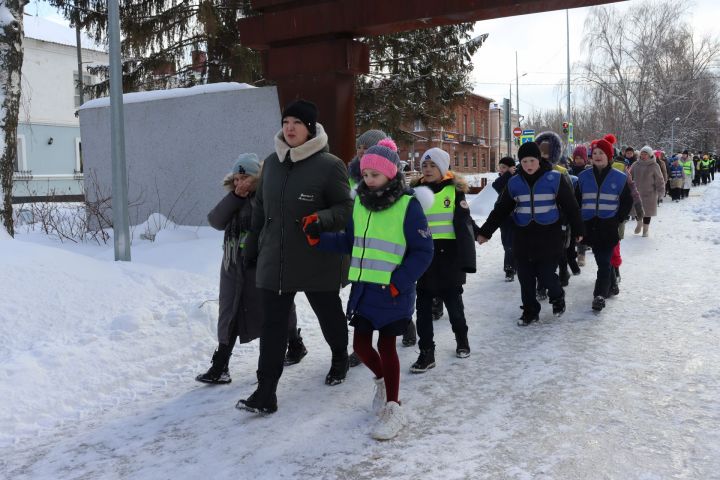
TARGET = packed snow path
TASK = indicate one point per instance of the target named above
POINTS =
(631, 393)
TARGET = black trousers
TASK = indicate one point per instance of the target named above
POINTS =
(506, 236)
(273, 339)
(675, 193)
(542, 272)
(452, 298)
(604, 272)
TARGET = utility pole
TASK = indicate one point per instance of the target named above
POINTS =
(517, 88)
(569, 116)
(121, 228)
(79, 54)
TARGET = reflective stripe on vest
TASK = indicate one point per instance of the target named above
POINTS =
(538, 205)
(688, 167)
(379, 245)
(440, 216)
(601, 202)
(676, 172)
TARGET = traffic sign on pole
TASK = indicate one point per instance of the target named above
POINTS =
(517, 131)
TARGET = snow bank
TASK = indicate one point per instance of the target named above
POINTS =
(156, 95)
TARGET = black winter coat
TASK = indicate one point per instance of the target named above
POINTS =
(308, 180)
(452, 259)
(535, 241)
(603, 233)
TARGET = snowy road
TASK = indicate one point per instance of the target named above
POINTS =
(633, 393)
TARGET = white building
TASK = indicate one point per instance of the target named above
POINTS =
(49, 161)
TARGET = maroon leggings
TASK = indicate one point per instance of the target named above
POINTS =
(384, 364)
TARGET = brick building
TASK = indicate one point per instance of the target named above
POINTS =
(467, 141)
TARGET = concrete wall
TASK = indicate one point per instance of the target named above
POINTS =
(179, 149)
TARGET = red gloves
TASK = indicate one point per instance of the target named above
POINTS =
(311, 227)
(394, 291)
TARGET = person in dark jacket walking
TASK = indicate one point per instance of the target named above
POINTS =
(454, 256)
(534, 199)
(605, 200)
(239, 314)
(391, 247)
(506, 169)
(300, 182)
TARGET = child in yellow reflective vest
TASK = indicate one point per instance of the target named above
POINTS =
(390, 247)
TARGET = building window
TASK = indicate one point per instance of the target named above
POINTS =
(87, 79)
(78, 156)
(465, 160)
(457, 159)
(465, 123)
(474, 160)
(418, 126)
(484, 161)
(20, 164)
(472, 126)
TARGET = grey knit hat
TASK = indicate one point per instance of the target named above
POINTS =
(370, 138)
(247, 163)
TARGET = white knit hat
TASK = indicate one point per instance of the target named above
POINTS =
(647, 149)
(439, 157)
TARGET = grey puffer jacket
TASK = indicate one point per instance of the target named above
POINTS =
(297, 182)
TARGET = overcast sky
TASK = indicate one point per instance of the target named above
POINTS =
(541, 45)
(540, 42)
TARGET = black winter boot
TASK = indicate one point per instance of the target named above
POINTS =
(558, 306)
(463, 346)
(338, 368)
(354, 360)
(425, 361)
(296, 350)
(263, 399)
(218, 372)
(598, 303)
(410, 337)
(528, 317)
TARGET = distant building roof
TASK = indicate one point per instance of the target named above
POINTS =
(45, 30)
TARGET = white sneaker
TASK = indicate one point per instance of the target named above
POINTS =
(380, 398)
(392, 420)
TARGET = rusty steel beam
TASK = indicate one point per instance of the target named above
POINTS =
(285, 21)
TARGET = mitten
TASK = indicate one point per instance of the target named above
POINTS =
(394, 291)
(311, 227)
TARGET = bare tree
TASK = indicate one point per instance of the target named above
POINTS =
(644, 68)
(11, 58)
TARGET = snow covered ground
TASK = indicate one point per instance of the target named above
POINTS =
(97, 361)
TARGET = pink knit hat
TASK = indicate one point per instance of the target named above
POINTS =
(382, 157)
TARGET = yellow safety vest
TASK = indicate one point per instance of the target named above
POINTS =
(379, 245)
(440, 216)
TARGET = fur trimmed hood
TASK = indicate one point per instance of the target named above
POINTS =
(461, 184)
(314, 145)
(556, 145)
(227, 182)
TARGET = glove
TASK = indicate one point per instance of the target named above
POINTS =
(311, 227)
(394, 291)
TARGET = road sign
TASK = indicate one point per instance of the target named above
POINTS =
(517, 131)
(527, 136)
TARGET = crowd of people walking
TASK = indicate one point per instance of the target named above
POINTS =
(301, 221)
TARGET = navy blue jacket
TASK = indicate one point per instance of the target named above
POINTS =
(374, 301)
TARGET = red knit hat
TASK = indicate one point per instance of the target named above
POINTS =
(580, 151)
(605, 146)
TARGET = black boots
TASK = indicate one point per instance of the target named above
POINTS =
(598, 303)
(410, 337)
(558, 306)
(263, 399)
(463, 346)
(528, 317)
(296, 350)
(338, 368)
(218, 372)
(425, 361)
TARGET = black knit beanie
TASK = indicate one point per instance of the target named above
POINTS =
(306, 111)
(509, 161)
(529, 149)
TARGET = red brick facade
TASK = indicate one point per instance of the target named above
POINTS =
(467, 141)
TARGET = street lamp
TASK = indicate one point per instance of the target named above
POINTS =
(672, 136)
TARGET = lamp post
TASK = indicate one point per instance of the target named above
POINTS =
(672, 135)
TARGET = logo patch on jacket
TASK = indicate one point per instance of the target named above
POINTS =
(446, 202)
(425, 233)
(307, 197)
(464, 204)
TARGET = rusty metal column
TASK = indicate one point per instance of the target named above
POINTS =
(324, 73)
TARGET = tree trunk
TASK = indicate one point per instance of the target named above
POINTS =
(11, 58)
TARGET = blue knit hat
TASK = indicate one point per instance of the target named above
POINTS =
(247, 164)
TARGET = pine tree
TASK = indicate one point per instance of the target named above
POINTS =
(11, 58)
(170, 43)
(415, 75)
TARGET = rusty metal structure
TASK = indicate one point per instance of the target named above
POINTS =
(310, 47)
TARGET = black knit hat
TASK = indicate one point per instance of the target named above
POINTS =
(306, 111)
(529, 149)
(509, 161)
